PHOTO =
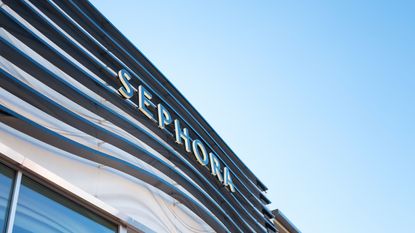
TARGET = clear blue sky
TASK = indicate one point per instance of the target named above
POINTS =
(317, 97)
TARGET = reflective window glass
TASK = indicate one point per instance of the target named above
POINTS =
(41, 210)
(6, 183)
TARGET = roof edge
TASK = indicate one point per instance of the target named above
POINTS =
(285, 222)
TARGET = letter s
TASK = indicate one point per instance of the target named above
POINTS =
(126, 90)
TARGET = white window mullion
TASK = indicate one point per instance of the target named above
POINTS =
(13, 201)
(122, 229)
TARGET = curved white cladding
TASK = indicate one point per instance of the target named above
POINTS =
(72, 100)
(49, 122)
(132, 197)
(67, 130)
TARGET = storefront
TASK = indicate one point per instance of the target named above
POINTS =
(93, 138)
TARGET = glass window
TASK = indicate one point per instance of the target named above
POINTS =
(41, 210)
(6, 183)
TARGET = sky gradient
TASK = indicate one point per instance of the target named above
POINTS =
(316, 97)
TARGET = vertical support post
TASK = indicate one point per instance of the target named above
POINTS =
(13, 202)
(122, 229)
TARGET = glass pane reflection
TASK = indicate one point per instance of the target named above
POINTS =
(40, 210)
(6, 183)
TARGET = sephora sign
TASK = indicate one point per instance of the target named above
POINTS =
(181, 135)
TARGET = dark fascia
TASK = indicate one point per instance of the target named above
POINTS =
(284, 221)
(161, 78)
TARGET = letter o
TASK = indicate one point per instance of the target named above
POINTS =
(200, 152)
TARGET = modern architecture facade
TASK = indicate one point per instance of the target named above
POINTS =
(93, 138)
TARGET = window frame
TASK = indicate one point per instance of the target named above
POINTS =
(43, 179)
(10, 198)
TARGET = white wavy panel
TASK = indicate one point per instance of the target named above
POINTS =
(55, 96)
(6, 35)
(146, 204)
(55, 125)
(12, 102)
(68, 131)
(66, 55)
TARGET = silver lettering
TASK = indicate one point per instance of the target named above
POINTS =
(144, 101)
(164, 116)
(147, 107)
(215, 166)
(126, 90)
(182, 135)
(227, 179)
(200, 152)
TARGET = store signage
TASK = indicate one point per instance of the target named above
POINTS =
(160, 115)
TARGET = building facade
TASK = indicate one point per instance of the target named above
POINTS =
(93, 138)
